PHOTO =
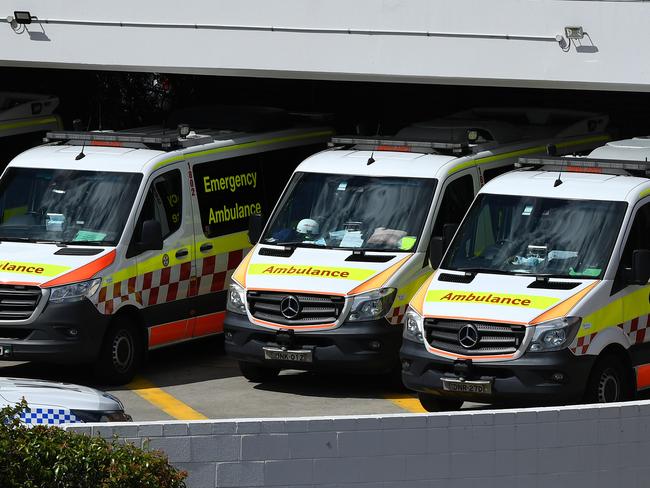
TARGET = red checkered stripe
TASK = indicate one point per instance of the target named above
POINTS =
(636, 329)
(397, 316)
(171, 283)
(582, 344)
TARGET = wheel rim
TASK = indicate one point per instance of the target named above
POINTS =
(609, 386)
(122, 354)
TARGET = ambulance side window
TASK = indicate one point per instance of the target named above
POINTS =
(639, 238)
(455, 202)
(163, 203)
(492, 173)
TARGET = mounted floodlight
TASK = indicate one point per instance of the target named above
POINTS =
(22, 17)
(472, 135)
(183, 130)
(574, 32)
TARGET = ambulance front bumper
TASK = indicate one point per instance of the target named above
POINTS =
(532, 378)
(61, 333)
(354, 347)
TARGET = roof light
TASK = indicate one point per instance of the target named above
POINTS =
(574, 32)
(183, 130)
(386, 147)
(587, 165)
(22, 17)
(107, 143)
(389, 144)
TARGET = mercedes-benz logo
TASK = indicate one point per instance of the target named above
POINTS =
(468, 336)
(290, 307)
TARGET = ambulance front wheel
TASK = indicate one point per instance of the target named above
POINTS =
(609, 381)
(432, 403)
(121, 353)
(256, 373)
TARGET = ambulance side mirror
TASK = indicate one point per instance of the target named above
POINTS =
(255, 228)
(151, 238)
(439, 244)
(640, 266)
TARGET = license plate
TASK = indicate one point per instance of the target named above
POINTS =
(297, 356)
(480, 387)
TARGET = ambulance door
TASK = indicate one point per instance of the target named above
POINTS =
(164, 276)
(455, 197)
(636, 298)
(226, 193)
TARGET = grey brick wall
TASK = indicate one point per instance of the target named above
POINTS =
(582, 446)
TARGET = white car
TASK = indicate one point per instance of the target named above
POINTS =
(52, 403)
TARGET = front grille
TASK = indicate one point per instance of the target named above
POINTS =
(18, 302)
(311, 310)
(491, 338)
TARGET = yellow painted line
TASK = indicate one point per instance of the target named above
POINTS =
(407, 402)
(167, 403)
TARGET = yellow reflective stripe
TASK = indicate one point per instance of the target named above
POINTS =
(245, 145)
(28, 123)
(523, 152)
(36, 269)
(626, 308)
(644, 193)
(224, 244)
(310, 271)
(485, 298)
(405, 294)
(220, 245)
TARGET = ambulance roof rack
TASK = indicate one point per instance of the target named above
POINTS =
(372, 143)
(156, 138)
(588, 165)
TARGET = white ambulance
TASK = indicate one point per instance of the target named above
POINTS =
(24, 119)
(543, 294)
(112, 243)
(345, 249)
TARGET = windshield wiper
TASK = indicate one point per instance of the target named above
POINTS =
(483, 270)
(82, 243)
(296, 244)
(16, 239)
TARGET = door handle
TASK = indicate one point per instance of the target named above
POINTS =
(205, 247)
(181, 253)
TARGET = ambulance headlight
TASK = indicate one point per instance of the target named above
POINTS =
(413, 326)
(236, 299)
(555, 334)
(75, 291)
(371, 305)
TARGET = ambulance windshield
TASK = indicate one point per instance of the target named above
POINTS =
(538, 236)
(65, 206)
(344, 211)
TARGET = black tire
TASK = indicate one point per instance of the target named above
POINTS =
(256, 373)
(609, 381)
(432, 403)
(121, 353)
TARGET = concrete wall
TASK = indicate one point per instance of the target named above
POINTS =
(475, 42)
(573, 447)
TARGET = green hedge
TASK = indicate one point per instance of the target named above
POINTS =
(49, 457)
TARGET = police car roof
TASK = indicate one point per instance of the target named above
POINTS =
(577, 186)
(386, 163)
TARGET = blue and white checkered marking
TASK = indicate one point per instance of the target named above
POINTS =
(48, 416)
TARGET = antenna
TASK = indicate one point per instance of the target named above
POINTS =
(81, 154)
(371, 159)
(551, 150)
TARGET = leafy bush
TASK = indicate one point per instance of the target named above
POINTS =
(50, 457)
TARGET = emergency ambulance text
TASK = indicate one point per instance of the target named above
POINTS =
(231, 183)
(227, 214)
